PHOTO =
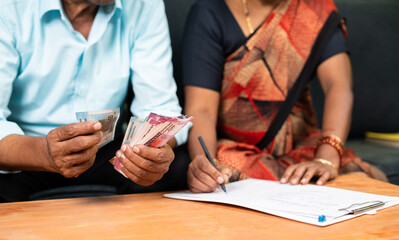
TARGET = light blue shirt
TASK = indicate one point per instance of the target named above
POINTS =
(49, 71)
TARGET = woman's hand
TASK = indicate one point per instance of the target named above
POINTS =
(303, 172)
(203, 177)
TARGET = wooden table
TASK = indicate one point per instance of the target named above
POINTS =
(150, 216)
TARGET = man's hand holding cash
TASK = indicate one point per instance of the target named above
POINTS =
(71, 149)
(146, 152)
(144, 165)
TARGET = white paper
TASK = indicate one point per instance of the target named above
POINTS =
(304, 203)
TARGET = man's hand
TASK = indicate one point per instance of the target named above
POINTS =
(145, 165)
(203, 177)
(72, 148)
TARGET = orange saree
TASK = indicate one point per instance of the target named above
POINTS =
(257, 80)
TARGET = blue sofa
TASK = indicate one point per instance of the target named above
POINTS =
(373, 42)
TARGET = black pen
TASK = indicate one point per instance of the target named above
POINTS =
(209, 158)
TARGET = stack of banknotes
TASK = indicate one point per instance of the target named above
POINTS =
(153, 131)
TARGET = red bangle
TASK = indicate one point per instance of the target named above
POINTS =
(333, 141)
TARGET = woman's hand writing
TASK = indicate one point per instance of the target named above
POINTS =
(203, 177)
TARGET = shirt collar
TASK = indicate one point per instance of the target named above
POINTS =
(51, 5)
(117, 6)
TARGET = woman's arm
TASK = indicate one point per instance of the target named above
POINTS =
(203, 104)
(335, 76)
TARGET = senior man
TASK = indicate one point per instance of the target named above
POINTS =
(58, 57)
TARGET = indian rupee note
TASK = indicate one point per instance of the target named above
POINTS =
(108, 120)
(155, 131)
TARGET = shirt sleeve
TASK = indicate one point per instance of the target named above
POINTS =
(152, 75)
(203, 57)
(9, 64)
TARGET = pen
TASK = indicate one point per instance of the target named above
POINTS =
(209, 158)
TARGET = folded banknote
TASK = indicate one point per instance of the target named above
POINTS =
(108, 120)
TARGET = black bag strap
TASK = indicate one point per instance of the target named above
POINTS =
(304, 77)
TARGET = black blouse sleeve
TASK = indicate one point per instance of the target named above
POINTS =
(337, 44)
(202, 53)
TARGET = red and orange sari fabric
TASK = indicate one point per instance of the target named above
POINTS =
(257, 79)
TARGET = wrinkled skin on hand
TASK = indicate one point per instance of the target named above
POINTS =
(72, 149)
(145, 165)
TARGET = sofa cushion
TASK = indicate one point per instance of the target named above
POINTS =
(385, 158)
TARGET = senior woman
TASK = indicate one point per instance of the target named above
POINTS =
(246, 69)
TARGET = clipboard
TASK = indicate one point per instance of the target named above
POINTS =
(313, 204)
(369, 207)
(356, 208)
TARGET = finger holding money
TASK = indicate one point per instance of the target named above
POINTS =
(145, 165)
(136, 174)
(107, 118)
(72, 148)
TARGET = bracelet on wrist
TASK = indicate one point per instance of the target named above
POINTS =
(333, 141)
(324, 161)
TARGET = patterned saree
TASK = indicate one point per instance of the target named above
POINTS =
(257, 80)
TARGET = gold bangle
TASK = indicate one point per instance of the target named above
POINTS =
(329, 163)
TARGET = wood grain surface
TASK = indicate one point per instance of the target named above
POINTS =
(150, 216)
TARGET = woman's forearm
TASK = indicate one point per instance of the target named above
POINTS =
(336, 80)
(203, 105)
(205, 127)
(337, 112)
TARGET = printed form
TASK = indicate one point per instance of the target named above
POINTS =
(313, 204)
